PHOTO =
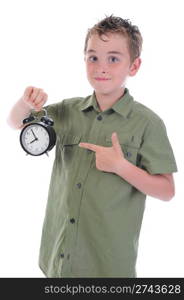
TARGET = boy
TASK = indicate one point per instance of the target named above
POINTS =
(111, 151)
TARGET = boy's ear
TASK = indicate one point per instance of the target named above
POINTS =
(135, 66)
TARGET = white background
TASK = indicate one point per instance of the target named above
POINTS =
(42, 45)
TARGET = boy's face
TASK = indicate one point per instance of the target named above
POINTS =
(108, 64)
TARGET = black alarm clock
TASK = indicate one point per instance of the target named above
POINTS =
(38, 137)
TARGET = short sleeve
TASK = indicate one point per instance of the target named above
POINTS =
(156, 154)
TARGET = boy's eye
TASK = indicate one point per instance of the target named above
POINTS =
(92, 58)
(113, 59)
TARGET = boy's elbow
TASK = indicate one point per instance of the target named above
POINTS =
(12, 124)
(172, 192)
(172, 195)
(169, 196)
(169, 190)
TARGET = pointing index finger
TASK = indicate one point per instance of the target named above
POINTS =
(89, 146)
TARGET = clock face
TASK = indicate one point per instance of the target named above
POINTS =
(35, 139)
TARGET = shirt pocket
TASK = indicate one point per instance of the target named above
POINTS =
(69, 146)
(129, 148)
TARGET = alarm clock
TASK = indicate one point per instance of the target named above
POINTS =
(38, 137)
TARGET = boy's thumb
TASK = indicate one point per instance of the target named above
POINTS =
(115, 142)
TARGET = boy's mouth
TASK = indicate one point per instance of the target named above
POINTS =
(101, 78)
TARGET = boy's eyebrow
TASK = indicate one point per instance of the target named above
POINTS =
(110, 52)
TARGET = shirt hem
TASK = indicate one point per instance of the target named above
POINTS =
(43, 270)
(161, 170)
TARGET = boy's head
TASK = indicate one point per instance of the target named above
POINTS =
(112, 53)
(121, 26)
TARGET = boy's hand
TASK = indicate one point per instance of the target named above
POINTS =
(34, 97)
(108, 159)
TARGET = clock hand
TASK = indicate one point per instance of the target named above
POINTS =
(34, 134)
(33, 141)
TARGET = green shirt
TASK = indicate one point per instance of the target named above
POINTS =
(93, 218)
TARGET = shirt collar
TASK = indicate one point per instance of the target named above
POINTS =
(88, 102)
(123, 106)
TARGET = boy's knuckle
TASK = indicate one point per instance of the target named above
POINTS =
(28, 88)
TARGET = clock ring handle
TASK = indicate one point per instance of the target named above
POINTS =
(47, 120)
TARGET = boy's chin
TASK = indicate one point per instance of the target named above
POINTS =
(102, 92)
(105, 91)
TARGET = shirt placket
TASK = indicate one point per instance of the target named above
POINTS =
(82, 168)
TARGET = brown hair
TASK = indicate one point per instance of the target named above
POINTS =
(124, 27)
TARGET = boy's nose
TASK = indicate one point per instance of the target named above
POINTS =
(102, 68)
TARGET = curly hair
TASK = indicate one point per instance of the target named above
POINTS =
(124, 27)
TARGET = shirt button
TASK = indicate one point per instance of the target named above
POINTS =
(62, 255)
(99, 118)
(129, 154)
(72, 220)
(79, 185)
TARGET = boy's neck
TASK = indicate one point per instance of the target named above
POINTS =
(106, 101)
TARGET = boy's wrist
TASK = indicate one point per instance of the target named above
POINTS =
(24, 108)
(24, 105)
(121, 165)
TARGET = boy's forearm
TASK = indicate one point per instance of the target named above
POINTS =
(18, 112)
(156, 186)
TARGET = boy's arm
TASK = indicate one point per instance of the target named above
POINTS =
(159, 186)
(111, 159)
(33, 98)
